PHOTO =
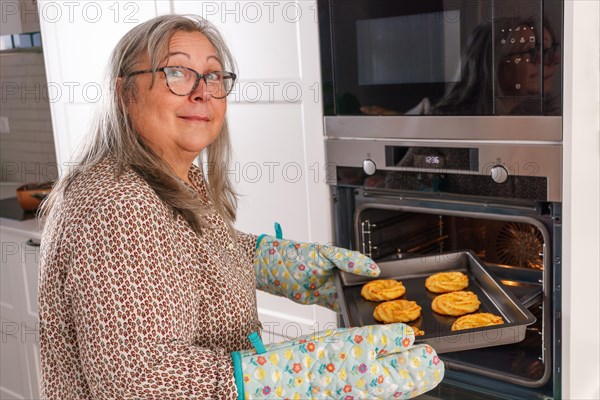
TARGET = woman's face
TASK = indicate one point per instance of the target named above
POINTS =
(519, 72)
(178, 128)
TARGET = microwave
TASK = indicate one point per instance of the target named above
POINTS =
(442, 69)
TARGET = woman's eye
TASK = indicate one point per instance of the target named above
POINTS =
(175, 74)
(213, 76)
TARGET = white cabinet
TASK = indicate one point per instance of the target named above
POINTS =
(14, 382)
(19, 327)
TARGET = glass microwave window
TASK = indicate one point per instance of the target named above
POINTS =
(418, 48)
(441, 57)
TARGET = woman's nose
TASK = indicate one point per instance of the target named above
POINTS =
(200, 93)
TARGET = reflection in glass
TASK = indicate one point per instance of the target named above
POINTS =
(440, 57)
(514, 76)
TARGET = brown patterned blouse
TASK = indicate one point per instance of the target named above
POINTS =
(134, 304)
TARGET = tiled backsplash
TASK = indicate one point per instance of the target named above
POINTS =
(27, 152)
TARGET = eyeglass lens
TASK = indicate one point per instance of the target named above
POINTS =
(182, 81)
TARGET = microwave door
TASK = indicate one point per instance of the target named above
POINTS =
(436, 57)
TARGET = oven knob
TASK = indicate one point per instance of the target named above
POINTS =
(369, 167)
(499, 174)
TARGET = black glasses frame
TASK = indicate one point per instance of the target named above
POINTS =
(226, 75)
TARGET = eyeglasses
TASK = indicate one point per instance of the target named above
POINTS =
(182, 81)
(549, 53)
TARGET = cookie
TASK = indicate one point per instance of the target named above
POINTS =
(456, 303)
(382, 290)
(417, 330)
(397, 311)
(446, 282)
(476, 320)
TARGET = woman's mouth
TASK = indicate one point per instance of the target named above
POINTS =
(194, 118)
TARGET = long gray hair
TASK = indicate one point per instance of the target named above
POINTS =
(113, 133)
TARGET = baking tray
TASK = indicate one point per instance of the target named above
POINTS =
(494, 299)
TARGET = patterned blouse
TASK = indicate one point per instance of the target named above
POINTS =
(133, 303)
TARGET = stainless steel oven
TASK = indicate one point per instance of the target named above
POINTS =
(442, 69)
(510, 220)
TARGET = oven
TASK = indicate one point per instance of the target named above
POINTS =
(443, 125)
(429, 199)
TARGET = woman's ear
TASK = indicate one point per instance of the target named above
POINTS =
(124, 90)
(118, 88)
(119, 92)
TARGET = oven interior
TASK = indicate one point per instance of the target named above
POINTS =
(514, 248)
(393, 233)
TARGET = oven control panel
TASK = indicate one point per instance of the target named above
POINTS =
(499, 174)
(436, 158)
(494, 166)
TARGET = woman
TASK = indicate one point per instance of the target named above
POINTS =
(146, 289)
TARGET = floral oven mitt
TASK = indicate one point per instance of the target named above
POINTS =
(376, 361)
(303, 271)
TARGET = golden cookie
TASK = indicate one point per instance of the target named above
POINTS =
(417, 331)
(397, 311)
(476, 321)
(456, 303)
(382, 289)
(446, 282)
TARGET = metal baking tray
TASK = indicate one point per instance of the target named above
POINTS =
(494, 299)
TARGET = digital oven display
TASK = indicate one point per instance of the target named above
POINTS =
(447, 158)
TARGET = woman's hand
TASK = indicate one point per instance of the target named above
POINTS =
(376, 361)
(303, 271)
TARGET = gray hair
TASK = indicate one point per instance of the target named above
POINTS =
(113, 133)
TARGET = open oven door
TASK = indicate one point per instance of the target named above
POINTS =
(517, 243)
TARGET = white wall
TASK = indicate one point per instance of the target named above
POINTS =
(581, 220)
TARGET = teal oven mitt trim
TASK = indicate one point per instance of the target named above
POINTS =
(278, 235)
(238, 373)
(260, 238)
(257, 342)
(278, 231)
(236, 356)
